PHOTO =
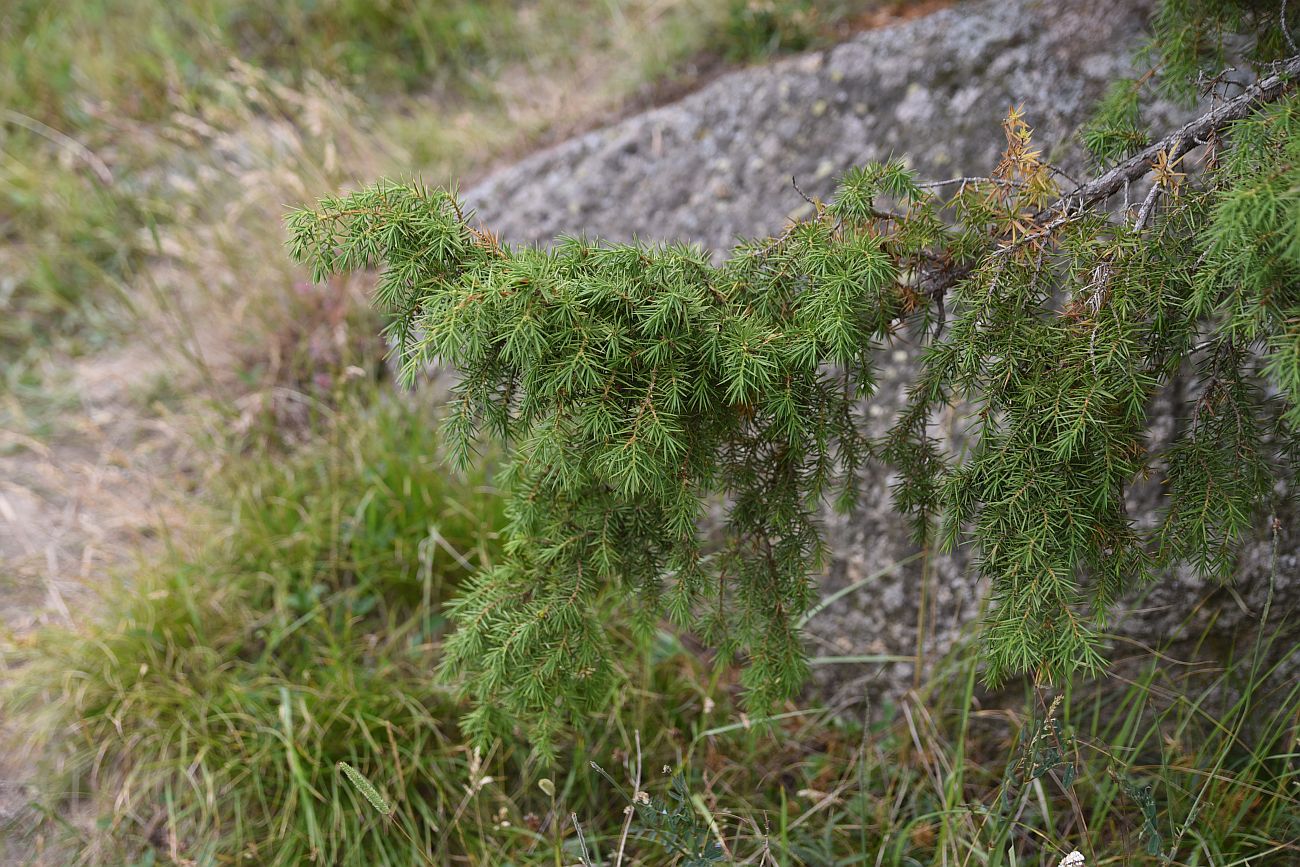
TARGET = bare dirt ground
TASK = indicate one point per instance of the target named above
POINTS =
(77, 507)
(88, 499)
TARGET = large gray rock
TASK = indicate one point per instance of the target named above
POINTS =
(718, 164)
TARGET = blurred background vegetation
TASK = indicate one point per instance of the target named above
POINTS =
(264, 602)
(102, 100)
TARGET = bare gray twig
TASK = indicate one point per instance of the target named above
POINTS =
(631, 808)
(1286, 30)
(1108, 184)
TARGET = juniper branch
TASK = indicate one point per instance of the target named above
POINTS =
(640, 386)
(1268, 89)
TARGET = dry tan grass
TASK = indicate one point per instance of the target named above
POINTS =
(219, 298)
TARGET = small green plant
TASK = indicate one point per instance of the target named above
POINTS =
(677, 826)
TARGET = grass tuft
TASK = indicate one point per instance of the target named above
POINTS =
(223, 689)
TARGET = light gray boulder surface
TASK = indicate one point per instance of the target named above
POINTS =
(718, 164)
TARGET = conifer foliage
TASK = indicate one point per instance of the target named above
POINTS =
(641, 387)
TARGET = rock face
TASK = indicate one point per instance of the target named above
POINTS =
(718, 164)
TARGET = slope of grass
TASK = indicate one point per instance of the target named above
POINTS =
(203, 718)
(63, 62)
